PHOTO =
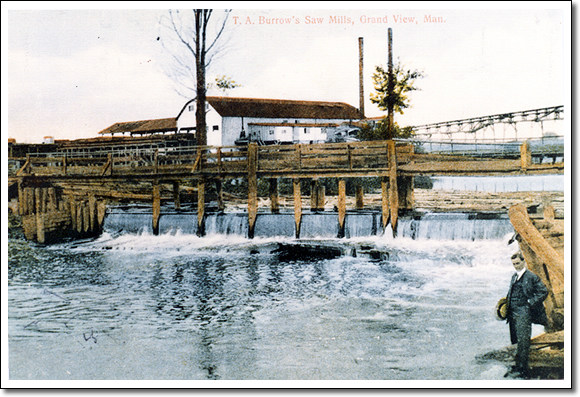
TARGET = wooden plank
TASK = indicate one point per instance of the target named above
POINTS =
(548, 338)
(360, 200)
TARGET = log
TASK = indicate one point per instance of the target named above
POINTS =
(525, 228)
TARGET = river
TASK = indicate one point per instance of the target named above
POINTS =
(134, 306)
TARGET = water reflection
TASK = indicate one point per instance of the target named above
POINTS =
(200, 311)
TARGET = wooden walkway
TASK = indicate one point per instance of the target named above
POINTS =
(85, 181)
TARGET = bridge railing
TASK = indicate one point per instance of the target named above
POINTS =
(351, 156)
(550, 147)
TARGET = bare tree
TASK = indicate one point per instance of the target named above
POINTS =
(192, 41)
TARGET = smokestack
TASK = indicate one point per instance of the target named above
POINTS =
(361, 90)
(390, 87)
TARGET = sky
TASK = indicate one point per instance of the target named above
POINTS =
(70, 73)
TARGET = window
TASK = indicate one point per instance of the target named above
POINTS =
(216, 127)
(305, 131)
(191, 108)
(271, 132)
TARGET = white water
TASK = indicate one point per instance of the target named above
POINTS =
(176, 306)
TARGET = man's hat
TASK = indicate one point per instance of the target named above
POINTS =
(501, 309)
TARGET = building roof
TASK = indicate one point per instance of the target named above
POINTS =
(280, 108)
(142, 126)
(295, 124)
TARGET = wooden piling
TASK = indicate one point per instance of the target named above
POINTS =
(526, 155)
(405, 185)
(341, 204)
(360, 197)
(176, 201)
(40, 237)
(156, 197)
(252, 187)
(393, 190)
(385, 201)
(314, 194)
(274, 200)
(297, 206)
(220, 195)
(92, 213)
(201, 207)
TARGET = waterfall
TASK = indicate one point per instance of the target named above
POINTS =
(455, 226)
(133, 222)
(419, 226)
(222, 223)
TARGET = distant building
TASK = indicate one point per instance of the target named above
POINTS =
(231, 120)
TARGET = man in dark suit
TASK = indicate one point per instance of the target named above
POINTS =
(525, 306)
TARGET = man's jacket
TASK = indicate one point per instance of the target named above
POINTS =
(534, 292)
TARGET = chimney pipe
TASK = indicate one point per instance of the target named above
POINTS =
(390, 88)
(361, 94)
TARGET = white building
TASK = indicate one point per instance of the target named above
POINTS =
(241, 119)
(267, 120)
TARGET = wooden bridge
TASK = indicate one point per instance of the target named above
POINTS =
(68, 191)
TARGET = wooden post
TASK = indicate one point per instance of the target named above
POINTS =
(297, 206)
(360, 198)
(101, 212)
(385, 200)
(21, 199)
(220, 195)
(86, 217)
(30, 200)
(64, 165)
(314, 195)
(393, 190)
(93, 224)
(156, 196)
(252, 187)
(526, 155)
(201, 207)
(406, 191)
(549, 213)
(176, 201)
(156, 161)
(52, 199)
(73, 211)
(39, 217)
(321, 197)
(341, 204)
(274, 203)
(79, 216)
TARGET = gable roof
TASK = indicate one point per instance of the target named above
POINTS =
(142, 126)
(280, 108)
